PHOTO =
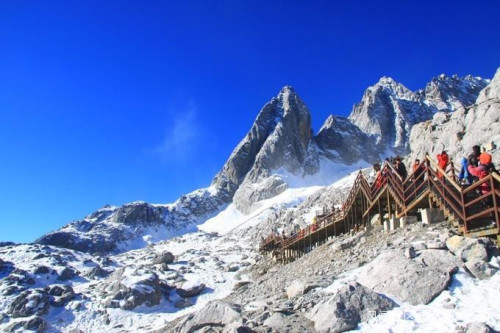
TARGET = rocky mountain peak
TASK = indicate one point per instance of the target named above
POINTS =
(446, 93)
(279, 137)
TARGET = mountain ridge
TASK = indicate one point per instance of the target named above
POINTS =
(279, 141)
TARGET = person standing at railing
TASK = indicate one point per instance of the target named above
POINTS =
(400, 168)
(481, 171)
(417, 169)
(464, 177)
(443, 160)
(473, 160)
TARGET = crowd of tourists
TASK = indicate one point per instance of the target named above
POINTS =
(475, 167)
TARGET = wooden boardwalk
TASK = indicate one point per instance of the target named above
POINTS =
(467, 211)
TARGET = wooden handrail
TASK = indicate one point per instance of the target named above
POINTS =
(443, 172)
(404, 193)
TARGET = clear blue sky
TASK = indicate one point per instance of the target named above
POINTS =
(107, 102)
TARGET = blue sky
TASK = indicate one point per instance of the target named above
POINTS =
(107, 102)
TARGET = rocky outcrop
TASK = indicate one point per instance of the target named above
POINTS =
(351, 305)
(342, 141)
(115, 229)
(473, 124)
(28, 303)
(190, 290)
(416, 281)
(128, 288)
(388, 110)
(279, 138)
(163, 258)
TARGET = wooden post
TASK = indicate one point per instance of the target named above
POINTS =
(389, 205)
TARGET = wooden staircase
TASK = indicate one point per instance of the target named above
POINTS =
(429, 186)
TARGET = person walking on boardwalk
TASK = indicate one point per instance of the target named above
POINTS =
(443, 160)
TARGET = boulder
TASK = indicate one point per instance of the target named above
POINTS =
(299, 287)
(277, 322)
(128, 288)
(214, 314)
(468, 249)
(416, 281)
(479, 328)
(41, 270)
(96, 272)
(28, 303)
(190, 289)
(163, 258)
(480, 269)
(66, 274)
(36, 324)
(61, 296)
(344, 310)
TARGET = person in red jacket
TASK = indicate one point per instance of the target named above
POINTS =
(483, 170)
(443, 160)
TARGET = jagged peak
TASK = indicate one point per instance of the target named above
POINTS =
(287, 89)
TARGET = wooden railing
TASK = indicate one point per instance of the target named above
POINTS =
(427, 177)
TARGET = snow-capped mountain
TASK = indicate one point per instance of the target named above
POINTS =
(279, 151)
(145, 267)
(388, 110)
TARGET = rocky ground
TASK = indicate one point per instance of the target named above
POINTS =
(349, 280)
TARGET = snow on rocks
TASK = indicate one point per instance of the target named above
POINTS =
(128, 288)
(190, 289)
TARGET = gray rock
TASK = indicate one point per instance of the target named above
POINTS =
(479, 328)
(351, 305)
(436, 245)
(192, 291)
(97, 272)
(61, 297)
(41, 270)
(119, 290)
(474, 123)
(469, 249)
(66, 274)
(299, 287)
(416, 281)
(28, 303)
(276, 321)
(410, 252)
(237, 328)
(163, 258)
(36, 324)
(480, 269)
(216, 313)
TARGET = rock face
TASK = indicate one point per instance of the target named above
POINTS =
(351, 305)
(342, 141)
(477, 123)
(278, 138)
(416, 281)
(388, 109)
